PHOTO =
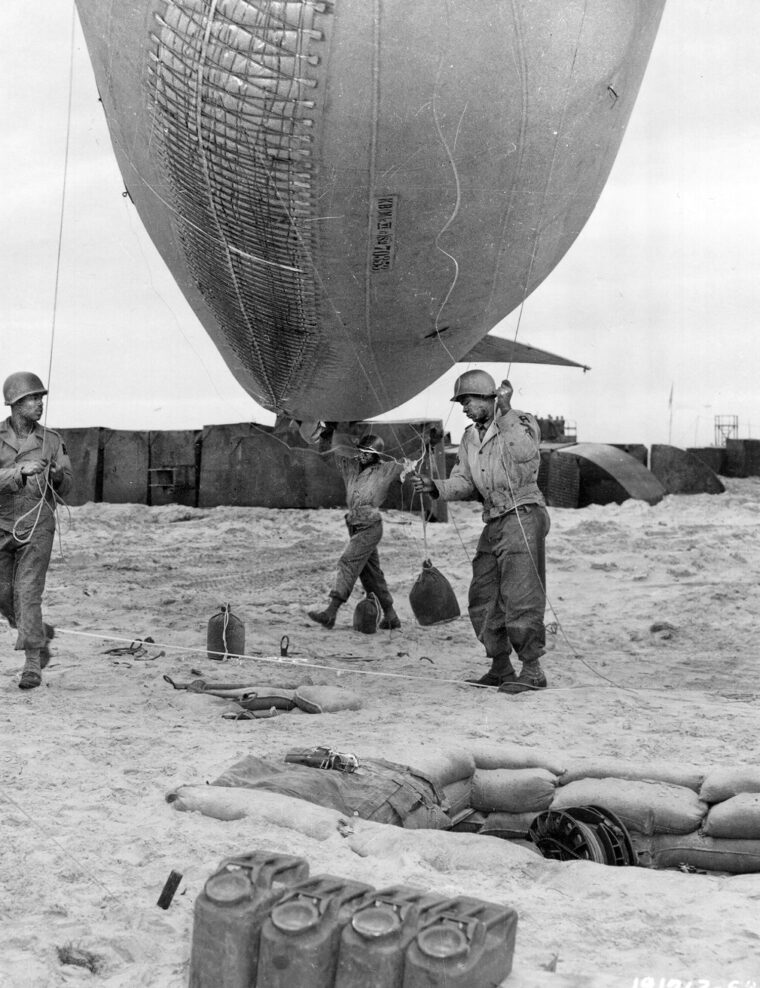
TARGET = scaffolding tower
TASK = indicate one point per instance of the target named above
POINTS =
(726, 427)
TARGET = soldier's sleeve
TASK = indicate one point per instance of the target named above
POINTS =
(459, 486)
(11, 480)
(522, 434)
(63, 484)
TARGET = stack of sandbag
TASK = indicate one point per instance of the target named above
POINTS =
(449, 771)
(676, 815)
(656, 802)
(510, 785)
(729, 836)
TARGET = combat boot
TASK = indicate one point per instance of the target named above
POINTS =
(45, 650)
(31, 676)
(327, 617)
(531, 678)
(390, 619)
(502, 671)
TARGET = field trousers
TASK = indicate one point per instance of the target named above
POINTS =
(360, 561)
(507, 596)
(23, 568)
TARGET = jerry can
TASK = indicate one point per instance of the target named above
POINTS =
(229, 912)
(375, 940)
(225, 635)
(300, 938)
(470, 942)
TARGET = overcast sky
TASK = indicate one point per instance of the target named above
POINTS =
(660, 290)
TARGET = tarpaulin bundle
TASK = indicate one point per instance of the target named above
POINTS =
(377, 790)
(432, 597)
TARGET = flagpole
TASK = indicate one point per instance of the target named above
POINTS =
(670, 423)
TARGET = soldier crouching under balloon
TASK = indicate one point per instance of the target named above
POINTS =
(498, 464)
(34, 469)
(367, 479)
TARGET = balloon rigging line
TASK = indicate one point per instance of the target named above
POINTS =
(457, 201)
(202, 59)
(63, 202)
(37, 510)
(552, 163)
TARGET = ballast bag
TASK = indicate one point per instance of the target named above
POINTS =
(432, 597)
(367, 615)
(225, 635)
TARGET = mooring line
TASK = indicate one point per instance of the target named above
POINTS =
(280, 660)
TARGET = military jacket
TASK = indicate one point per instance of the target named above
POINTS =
(501, 469)
(20, 496)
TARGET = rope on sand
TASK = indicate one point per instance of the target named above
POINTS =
(280, 660)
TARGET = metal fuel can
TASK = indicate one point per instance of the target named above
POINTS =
(374, 942)
(229, 913)
(470, 942)
(300, 939)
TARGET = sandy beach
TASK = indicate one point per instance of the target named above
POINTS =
(89, 838)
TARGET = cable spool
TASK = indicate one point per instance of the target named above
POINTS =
(582, 833)
(225, 635)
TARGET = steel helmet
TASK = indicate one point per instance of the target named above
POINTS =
(478, 383)
(21, 385)
(370, 443)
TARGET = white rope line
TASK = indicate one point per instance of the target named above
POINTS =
(298, 664)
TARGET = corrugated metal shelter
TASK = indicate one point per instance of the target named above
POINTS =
(608, 475)
(84, 448)
(173, 471)
(126, 459)
(742, 458)
(713, 456)
(680, 472)
(246, 464)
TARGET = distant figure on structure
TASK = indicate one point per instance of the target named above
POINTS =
(34, 468)
(498, 464)
(367, 479)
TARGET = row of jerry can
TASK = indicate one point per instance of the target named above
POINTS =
(262, 922)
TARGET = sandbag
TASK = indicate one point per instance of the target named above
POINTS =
(432, 598)
(519, 790)
(736, 818)
(723, 783)
(457, 796)
(646, 807)
(443, 852)
(326, 699)
(737, 857)
(505, 754)
(507, 825)
(367, 615)
(617, 768)
(441, 766)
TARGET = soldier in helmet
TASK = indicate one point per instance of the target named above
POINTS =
(498, 464)
(367, 478)
(34, 469)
